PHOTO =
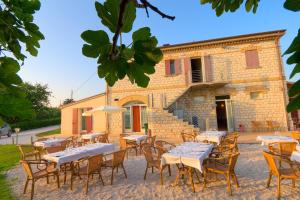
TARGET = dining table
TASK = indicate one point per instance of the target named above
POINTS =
(136, 138)
(211, 136)
(91, 136)
(77, 153)
(295, 156)
(51, 142)
(190, 155)
(266, 140)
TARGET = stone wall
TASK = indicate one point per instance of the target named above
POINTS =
(229, 66)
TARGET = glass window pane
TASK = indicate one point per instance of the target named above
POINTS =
(127, 119)
(83, 122)
(172, 67)
(144, 116)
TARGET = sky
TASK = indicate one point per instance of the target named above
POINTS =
(60, 62)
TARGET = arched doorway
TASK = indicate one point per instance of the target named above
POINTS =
(135, 116)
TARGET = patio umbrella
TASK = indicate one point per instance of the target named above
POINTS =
(106, 109)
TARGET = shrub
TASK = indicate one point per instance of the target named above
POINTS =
(26, 125)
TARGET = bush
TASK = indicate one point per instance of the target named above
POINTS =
(26, 125)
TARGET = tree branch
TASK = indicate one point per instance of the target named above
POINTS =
(119, 26)
(155, 9)
(144, 4)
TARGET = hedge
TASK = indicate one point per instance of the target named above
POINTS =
(27, 125)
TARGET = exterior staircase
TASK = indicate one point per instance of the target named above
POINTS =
(166, 126)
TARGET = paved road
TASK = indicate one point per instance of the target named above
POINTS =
(24, 137)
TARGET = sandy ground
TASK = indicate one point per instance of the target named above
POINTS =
(251, 170)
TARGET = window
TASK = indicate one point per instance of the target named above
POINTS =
(144, 116)
(83, 120)
(127, 118)
(172, 67)
(255, 95)
(252, 59)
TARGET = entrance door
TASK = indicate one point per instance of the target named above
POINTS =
(136, 115)
(229, 115)
(221, 115)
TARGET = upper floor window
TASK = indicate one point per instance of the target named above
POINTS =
(252, 59)
(255, 95)
(172, 67)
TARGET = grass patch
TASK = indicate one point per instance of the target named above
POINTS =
(9, 157)
(47, 133)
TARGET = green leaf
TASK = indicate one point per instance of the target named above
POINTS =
(295, 70)
(129, 17)
(293, 5)
(295, 89)
(141, 34)
(108, 12)
(98, 41)
(90, 51)
(294, 104)
(248, 5)
(294, 58)
(97, 38)
(295, 45)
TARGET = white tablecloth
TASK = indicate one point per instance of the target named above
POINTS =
(91, 136)
(295, 156)
(211, 136)
(265, 140)
(137, 138)
(49, 143)
(298, 147)
(190, 154)
(74, 154)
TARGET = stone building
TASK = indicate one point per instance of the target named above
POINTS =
(215, 84)
(220, 84)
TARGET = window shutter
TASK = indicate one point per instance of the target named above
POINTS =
(75, 121)
(178, 66)
(208, 68)
(89, 123)
(187, 70)
(252, 59)
(167, 67)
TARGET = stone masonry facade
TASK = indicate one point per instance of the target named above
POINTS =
(230, 77)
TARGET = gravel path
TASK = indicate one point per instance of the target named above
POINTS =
(251, 170)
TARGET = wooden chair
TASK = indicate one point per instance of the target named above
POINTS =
(42, 173)
(281, 173)
(296, 135)
(283, 149)
(93, 167)
(87, 141)
(106, 137)
(151, 140)
(163, 146)
(257, 126)
(67, 142)
(116, 162)
(187, 137)
(128, 145)
(29, 151)
(154, 161)
(213, 165)
(230, 140)
(103, 138)
(273, 125)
